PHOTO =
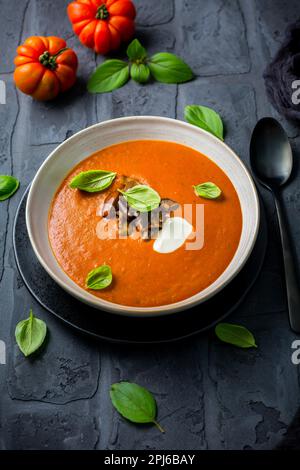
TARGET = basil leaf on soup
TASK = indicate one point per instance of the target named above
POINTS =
(142, 198)
(134, 403)
(140, 72)
(109, 76)
(207, 190)
(99, 278)
(30, 334)
(236, 335)
(205, 118)
(136, 51)
(168, 68)
(93, 181)
(8, 186)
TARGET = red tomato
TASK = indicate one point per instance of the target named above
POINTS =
(45, 66)
(102, 24)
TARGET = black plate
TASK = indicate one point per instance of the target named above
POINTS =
(122, 329)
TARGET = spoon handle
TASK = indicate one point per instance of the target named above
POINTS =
(292, 285)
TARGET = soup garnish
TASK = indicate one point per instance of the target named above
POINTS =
(93, 181)
(207, 190)
(99, 278)
(173, 234)
(142, 198)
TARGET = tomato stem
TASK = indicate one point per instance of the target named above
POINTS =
(48, 60)
(102, 12)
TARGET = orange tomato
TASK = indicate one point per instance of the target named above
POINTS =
(45, 67)
(102, 24)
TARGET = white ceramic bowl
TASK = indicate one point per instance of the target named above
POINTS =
(84, 143)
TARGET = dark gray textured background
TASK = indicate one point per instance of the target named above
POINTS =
(210, 395)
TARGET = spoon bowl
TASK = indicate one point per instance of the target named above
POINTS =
(270, 153)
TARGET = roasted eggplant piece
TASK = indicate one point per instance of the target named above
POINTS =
(130, 220)
(110, 207)
(150, 223)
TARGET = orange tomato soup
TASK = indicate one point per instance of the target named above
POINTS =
(141, 276)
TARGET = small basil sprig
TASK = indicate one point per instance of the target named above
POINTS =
(236, 335)
(30, 334)
(140, 73)
(207, 190)
(93, 181)
(8, 186)
(142, 198)
(134, 403)
(136, 52)
(99, 278)
(164, 67)
(205, 118)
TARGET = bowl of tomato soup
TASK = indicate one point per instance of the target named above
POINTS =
(142, 215)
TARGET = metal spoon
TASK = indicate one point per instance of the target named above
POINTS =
(272, 162)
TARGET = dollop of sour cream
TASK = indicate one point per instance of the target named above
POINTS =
(173, 234)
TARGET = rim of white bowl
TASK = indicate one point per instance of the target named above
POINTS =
(125, 310)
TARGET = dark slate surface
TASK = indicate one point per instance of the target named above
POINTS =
(210, 396)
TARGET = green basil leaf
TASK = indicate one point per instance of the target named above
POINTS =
(207, 190)
(142, 198)
(99, 278)
(205, 118)
(168, 68)
(30, 334)
(134, 403)
(109, 76)
(8, 186)
(93, 181)
(236, 335)
(136, 51)
(140, 72)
